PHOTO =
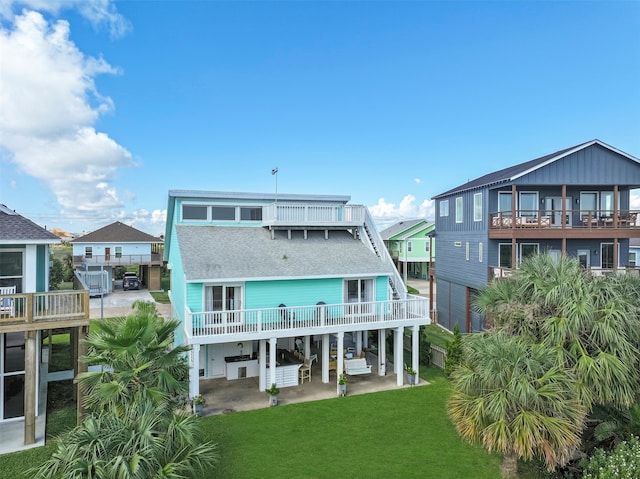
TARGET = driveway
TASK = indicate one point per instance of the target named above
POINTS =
(119, 303)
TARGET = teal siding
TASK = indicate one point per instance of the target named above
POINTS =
(194, 296)
(42, 260)
(177, 284)
(382, 283)
(270, 294)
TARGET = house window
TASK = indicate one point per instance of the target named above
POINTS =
(88, 251)
(528, 249)
(505, 251)
(194, 212)
(529, 204)
(588, 203)
(477, 207)
(11, 269)
(632, 259)
(480, 252)
(459, 209)
(12, 369)
(409, 246)
(606, 255)
(223, 298)
(250, 214)
(358, 290)
(118, 251)
(426, 246)
(606, 203)
(467, 251)
(444, 208)
(223, 213)
(505, 204)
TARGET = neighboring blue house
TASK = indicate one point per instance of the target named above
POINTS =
(634, 253)
(114, 245)
(27, 311)
(256, 276)
(574, 201)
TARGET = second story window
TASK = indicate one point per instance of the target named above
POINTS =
(444, 208)
(477, 207)
(88, 251)
(459, 209)
(409, 246)
(118, 251)
(251, 214)
(194, 212)
(223, 213)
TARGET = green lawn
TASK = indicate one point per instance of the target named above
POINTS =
(401, 433)
(437, 335)
(161, 297)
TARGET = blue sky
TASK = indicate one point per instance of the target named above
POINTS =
(108, 105)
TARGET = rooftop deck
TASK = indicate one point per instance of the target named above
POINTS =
(313, 215)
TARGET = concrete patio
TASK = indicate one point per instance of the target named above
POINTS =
(224, 396)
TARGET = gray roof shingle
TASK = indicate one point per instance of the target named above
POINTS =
(16, 228)
(399, 228)
(117, 232)
(239, 253)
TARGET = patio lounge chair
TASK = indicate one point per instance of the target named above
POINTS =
(7, 305)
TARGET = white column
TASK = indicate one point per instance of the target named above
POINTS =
(365, 339)
(307, 346)
(325, 358)
(262, 363)
(194, 376)
(358, 342)
(415, 348)
(340, 360)
(398, 363)
(382, 352)
(273, 344)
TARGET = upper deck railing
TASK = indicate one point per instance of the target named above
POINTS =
(312, 215)
(54, 306)
(594, 219)
(320, 318)
(117, 260)
(497, 272)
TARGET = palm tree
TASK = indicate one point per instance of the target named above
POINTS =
(143, 443)
(137, 356)
(514, 397)
(593, 323)
(135, 428)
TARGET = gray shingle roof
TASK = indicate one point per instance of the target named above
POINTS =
(222, 252)
(16, 228)
(117, 232)
(399, 228)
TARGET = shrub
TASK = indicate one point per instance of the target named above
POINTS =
(621, 463)
(454, 352)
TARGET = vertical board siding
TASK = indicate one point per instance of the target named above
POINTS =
(42, 258)
(382, 288)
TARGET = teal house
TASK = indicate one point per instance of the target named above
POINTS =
(412, 247)
(266, 284)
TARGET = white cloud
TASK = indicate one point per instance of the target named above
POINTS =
(385, 214)
(13, 184)
(49, 105)
(417, 180)
(100, 13)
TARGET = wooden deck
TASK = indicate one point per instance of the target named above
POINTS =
(36, 311)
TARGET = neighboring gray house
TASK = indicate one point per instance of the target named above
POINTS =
(634, 253)
(119, 244)
(574, 201)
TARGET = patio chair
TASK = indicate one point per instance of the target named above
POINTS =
(305, 371)
(7, 305)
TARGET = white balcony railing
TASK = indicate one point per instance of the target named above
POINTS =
(116, 260)
(320, 317)
(313, 215)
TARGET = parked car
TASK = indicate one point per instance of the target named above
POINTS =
(130, 281)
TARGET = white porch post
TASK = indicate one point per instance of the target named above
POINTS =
(325, 358)
(273, 344)
(398, 363)
(194, 377)
(262, 352)
(382, 352)
(307, 346)
(415, 348)
(358, 342)
(365, 339)
(340, 359)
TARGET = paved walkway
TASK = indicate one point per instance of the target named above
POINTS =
(119, 303)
